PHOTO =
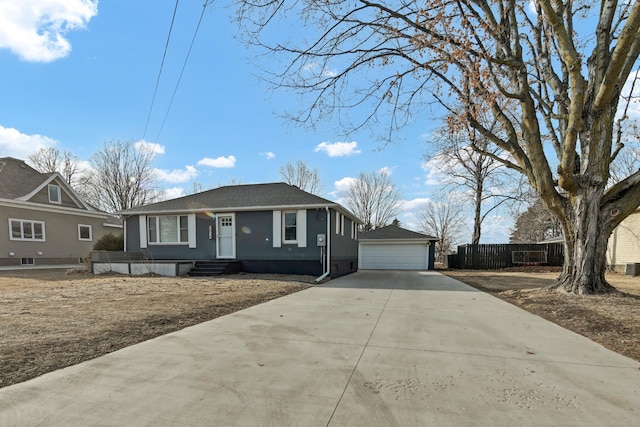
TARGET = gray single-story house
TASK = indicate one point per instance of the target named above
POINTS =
(265, 228)
(396, 248)
(44, 221)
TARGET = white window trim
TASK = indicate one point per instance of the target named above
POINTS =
(301, 228)
(284, 225)
(158, 243)
(277, 229)
(22, 221)
(90, 232)
(59, 191)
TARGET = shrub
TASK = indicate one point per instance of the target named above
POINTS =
(109, 242)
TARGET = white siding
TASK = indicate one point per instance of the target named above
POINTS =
(624, 243)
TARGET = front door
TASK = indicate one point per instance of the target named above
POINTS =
(226, 236)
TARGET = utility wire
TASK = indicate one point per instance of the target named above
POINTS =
(166, 46)
(193, 39)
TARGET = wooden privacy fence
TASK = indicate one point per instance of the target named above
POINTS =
(495, 256)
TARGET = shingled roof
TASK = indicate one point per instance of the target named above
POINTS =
(241, 197)
(393, 232)
(17, 179)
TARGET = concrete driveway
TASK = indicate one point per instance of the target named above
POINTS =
(369, 349)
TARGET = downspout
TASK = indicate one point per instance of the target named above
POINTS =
(326, 273)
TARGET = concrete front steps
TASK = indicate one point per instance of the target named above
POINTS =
(214, 268)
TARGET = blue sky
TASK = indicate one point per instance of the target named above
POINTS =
(87, 75)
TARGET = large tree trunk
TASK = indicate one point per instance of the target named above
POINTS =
(586, 234)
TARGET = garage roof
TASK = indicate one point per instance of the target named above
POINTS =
(393, 232)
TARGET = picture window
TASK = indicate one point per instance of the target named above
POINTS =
(22, 229)
(168, 229)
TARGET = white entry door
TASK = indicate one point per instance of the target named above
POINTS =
(226, 236)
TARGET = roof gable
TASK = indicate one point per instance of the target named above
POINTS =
(393, 232)
(21, 182)
(239, 197)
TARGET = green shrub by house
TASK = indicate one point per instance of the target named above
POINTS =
(109, 242)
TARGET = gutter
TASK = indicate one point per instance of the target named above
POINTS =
(326, 273)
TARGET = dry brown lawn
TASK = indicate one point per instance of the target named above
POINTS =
(612, 320)
(50, 319)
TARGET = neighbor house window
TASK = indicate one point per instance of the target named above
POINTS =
(22, 229)
(339, 223)
(290, 227)
(84, 232)
(168, 229)
(354, 230)
(55, 195)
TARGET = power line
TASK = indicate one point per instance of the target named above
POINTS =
(166, 46)
(193, 39)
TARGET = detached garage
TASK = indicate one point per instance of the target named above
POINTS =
(395, 248)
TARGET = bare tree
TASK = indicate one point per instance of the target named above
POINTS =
(535, 225)
(443, 218)
(472, 165)
(626, 163)
(49, 160)
(374, 199)
(551, 74)
(121, 177)
(302, 176)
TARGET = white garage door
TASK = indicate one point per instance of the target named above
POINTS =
(393, 257)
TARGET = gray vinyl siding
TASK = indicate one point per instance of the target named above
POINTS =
(254, 239)
(61, 236)
(344, 249)
(42, 196)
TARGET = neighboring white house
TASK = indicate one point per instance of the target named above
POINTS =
(624, 245)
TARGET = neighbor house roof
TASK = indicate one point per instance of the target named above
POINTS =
(241, 197)
(19, 183)
(393, 232)
(18, 179)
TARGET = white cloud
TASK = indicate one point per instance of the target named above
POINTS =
(435, 176)
(268, 155)
(342, 185)
(172, 193)
(150, 147)
(176, 175)
(219, 162)
(16, 144)
(338, 149)
(35, 29)
(495, 229)
(414, 204)
(386, 171)
(315, 68)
